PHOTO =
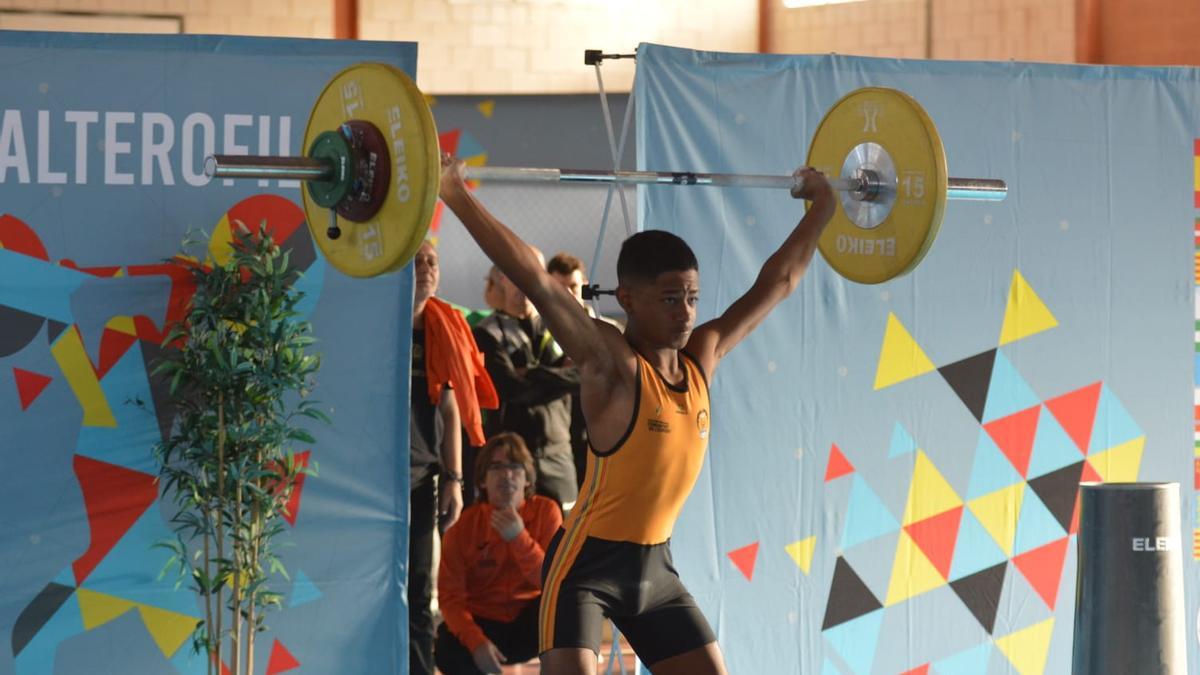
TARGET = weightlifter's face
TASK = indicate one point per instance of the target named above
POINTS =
(665, 311)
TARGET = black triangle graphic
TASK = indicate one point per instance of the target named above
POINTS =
(970, 379)
(980, 592)
(19, 329)
(1058, 490)
(53, 330)
(37, 613)
(849, 597)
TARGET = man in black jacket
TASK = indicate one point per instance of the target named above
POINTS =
(534, 382)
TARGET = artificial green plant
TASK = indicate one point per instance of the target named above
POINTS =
(240, 375)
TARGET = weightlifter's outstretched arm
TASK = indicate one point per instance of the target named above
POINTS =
(776, 280)
(580, 336)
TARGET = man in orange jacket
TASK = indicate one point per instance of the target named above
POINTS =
(449, 386)
(489, 580)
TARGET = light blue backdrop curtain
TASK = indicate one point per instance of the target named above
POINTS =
(812, 454)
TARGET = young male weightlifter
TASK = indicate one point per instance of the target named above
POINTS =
(645, 400)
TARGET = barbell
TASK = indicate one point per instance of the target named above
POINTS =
(372, 174)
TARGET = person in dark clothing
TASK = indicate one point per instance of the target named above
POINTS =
(428, 457)
(535, 382)
(570, 271)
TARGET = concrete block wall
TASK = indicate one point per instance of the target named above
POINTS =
(876, 28)
(536, 46)
(1137, 33)
(475, 46)
(277, 18)
(1025, 30)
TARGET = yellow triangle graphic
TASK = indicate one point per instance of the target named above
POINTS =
(912, 573)
(122, 324)
(477, 160)
(998, 512)
(77, 367)
(169, 629)
(802, 552)
(220, 245)
(1120, 463)
(100, 608)
(1025, 314)
(486, 108)
(901, 357)
(1027, 648)
(928, 494)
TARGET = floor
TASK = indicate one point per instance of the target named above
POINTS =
(627, 660)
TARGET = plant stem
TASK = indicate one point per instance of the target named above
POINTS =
(220, 513)
(238, 560)
(214, 648)
(256, 528)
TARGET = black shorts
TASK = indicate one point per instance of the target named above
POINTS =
(635, 585)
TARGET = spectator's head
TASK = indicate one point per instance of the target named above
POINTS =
(504, 471)
(493, 294)
(513, 300)
(658, 286)
(425, 273)
(570, 272)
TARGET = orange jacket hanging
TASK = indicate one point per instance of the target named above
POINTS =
(452, 356)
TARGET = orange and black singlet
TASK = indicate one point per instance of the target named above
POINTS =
(612, 558)
(634, 492)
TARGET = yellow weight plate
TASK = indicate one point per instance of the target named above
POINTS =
(387, 98)
(895, 121)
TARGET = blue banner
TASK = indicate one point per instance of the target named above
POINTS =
(102, 144)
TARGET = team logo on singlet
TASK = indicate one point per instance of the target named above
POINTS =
(702, 423)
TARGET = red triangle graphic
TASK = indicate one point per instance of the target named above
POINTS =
(1014, 436)
(744, 558)
(113, 345)
(435, 225)
(147, 330)
(281, 216)
(281, 659)
(838, 465)
(293, 502)
(115, 497)
(1043, 568)
(936, 537)
(448, 141)
(1075, 517)
(30, 385)
(17, 236)
(224, 668)
(919, 670)
(1076, 412)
